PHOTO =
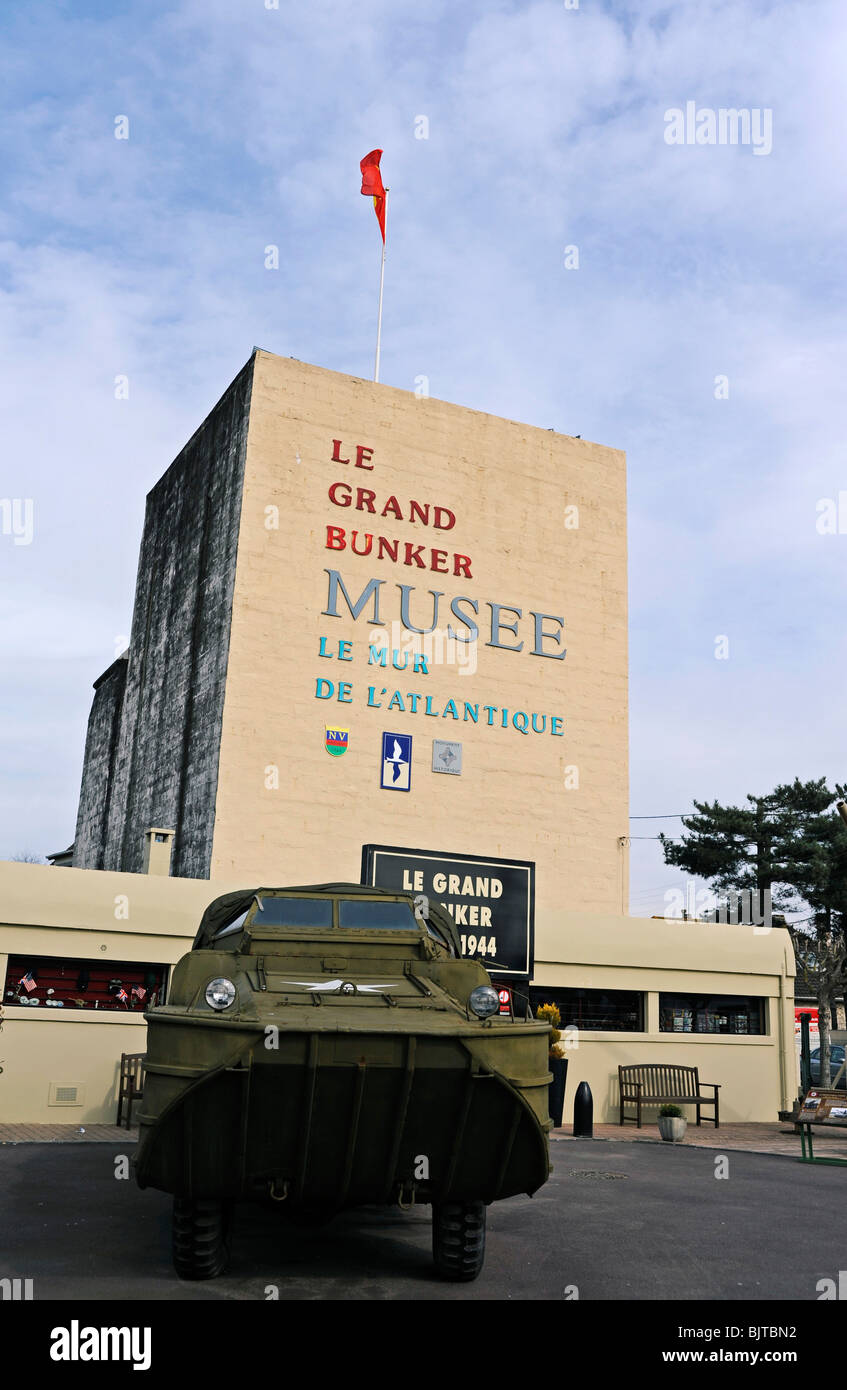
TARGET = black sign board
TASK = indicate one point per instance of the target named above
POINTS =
(492, 901)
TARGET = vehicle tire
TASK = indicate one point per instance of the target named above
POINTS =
(458, 1239)
(202, 1234)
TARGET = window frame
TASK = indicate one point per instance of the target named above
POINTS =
(541, 994)
(716, 1005)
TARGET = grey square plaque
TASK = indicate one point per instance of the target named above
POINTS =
(446, 756)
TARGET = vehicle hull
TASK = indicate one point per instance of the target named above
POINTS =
(327, 1115)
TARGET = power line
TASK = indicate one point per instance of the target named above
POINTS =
(675, 815)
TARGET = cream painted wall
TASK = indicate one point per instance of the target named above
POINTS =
(508, 485)
(71, 913)
(40, 1046)
(757, 1074)
(747, 1070)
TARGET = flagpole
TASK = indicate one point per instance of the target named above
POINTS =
(381, 283)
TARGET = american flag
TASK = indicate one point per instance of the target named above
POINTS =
(28, 982)
(139, 992)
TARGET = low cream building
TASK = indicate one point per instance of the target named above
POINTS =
(61, 1065)
(676, 970)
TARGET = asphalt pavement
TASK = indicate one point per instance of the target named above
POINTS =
(615, 1222)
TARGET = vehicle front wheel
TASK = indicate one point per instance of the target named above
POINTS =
(202, 1234)
(458, 1239)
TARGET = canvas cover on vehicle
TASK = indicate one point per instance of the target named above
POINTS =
(226, 908)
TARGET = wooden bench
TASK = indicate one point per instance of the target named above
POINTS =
(659, 1085)
(131, 1085)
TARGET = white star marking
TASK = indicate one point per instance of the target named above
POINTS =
(336, 984)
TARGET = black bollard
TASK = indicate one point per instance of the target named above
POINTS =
(559, 1068)
(583, 1112)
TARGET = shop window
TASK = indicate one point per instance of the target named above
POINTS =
(594, 1010)
(59, 982)
(711, 1013)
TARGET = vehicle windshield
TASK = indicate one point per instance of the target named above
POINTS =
(360, 913)
(317, 912)
(293, 912)
(363, 912)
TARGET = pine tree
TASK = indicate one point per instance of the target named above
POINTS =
(791, 844)
(735, 848)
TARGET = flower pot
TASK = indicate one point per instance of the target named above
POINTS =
(559, 1068)
(672, 1128)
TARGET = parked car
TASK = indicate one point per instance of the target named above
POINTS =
(836, 1058)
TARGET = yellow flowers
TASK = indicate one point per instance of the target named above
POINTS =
(549, 1013)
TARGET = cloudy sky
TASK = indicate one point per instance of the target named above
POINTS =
(545, 125)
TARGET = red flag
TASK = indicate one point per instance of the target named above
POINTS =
(372, 186)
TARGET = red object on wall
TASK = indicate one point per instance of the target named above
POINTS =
(814, 1020)
(61, 975)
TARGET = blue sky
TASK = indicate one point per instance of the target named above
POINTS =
(145, 257)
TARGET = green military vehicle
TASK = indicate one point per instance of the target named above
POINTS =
(328, 1047)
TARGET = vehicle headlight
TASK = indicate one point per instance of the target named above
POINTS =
(484, 1001)
(220, 993)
